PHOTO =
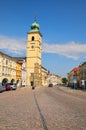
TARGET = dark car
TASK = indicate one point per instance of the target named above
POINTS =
(50, 85)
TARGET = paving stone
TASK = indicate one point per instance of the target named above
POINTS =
(42, 109)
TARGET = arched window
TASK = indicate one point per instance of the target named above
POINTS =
(4, 81)
(32, 38)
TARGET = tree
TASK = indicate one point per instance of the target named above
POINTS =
(64, 80)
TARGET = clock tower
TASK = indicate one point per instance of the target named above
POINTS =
(33, 56)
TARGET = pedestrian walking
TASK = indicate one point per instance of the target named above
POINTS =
(32, 85)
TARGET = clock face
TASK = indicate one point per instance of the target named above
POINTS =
(32, 46)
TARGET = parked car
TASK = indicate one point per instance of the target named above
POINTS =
(13, 86)
(7, 87)
(2, 88)
(50, 85)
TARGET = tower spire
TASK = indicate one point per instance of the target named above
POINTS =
(35, 26)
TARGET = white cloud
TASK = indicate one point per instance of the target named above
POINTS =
(71, 50)
(13, 46)
(18, 47)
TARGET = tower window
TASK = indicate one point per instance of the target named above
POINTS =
(32, 38)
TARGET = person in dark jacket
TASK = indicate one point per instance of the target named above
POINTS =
(32, 85)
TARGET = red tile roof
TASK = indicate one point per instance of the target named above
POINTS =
(76, 69)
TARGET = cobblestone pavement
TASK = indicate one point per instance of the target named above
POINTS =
(45, 108)
(75, 92)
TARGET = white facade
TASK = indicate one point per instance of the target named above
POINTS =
(7, 67)
(24, 73)
(54, 79)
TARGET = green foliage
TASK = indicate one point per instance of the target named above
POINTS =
(64, 80)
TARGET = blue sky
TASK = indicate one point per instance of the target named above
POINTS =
(62, 24)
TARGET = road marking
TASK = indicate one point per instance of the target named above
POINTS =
(41, 115)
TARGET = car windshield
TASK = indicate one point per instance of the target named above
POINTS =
(11, 83)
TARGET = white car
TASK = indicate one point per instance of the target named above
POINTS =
(13, 86)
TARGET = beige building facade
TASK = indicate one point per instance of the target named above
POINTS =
(54, 79)
(78, 76)
(83, 74)
(7, 68)
(21, 70)
(74, 76)
(12, 69)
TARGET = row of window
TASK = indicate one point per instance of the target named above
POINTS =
(33, 38)
(7, 62)
(8, 71)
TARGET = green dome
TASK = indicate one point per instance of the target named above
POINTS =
(35, 27)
